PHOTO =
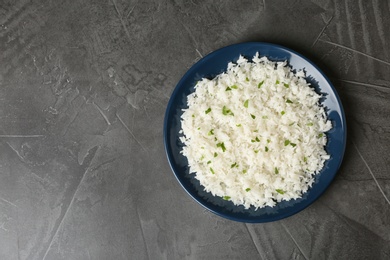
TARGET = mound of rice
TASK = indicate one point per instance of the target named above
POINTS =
(255, 134)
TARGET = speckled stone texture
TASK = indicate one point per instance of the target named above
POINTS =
(83, 89)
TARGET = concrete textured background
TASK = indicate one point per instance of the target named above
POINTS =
(83, 89)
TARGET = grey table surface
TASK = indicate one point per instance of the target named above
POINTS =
(83, 90)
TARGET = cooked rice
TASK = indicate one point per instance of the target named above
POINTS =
(255, 134)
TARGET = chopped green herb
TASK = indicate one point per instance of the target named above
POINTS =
(222, 146)
(208, 110)
(238, 125)
(305, 159)
(276, 170)
(226, 111)
(266, 149)
(246, 79)
(280, 191)
(211, 132)
(193, 115)
(320, 135)
(291, 123)
(234, 165)
(277, 82)
(255, 131)
(234, 87)
(282, 113)
(247, 189)
(255, 140)
(253, 116)
(286, 142)
(256, 151)
(226, 197)
(212, 171)
(260, 84)
(289, 101)
(293, 145)
(264, 117)
(227, 89)
(286, 85)
(208, 162)
(309, 124)
(246, 103)
(244, 171)
(201, 158)
(215, 154)
(198, 128)
(268, 140)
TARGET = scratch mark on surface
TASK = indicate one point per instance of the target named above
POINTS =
(379, 25)
(2, 226)
(362, 84)
(131, 133)
(147, 113)
(351, 33)
(129, 13)
(200, 54)
(70, 123)
(363, 179)
(20, 136)
(338, 25)
(17, 152)
(132, 121)
(101, 112)
(295, 242)
(356, 51)
(366, 30)
(192, 2)
(212, 244)
(105, 162)
(191, 35)
(38, 177)
(343, 218)
(142, 232)
(68, 208)
(322, 31)
(73, 119)
(158, 102)
(18, 243)
(372, 174)
(122, 21)
(253, 240)
(160, 91)
(9, 202)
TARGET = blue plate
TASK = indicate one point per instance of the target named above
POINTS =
(216, 63)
